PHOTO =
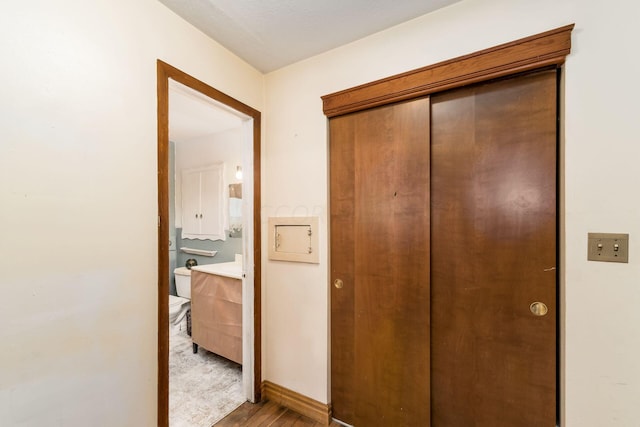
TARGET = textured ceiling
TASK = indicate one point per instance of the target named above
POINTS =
(270, 34)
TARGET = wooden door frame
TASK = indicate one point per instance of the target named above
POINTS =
(546, 49)
(164, 73)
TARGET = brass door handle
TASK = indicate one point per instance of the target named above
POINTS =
(338, 284)
(538, 308)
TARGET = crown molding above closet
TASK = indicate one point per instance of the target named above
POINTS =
(537, 51)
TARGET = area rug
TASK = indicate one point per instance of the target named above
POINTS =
(203, 387)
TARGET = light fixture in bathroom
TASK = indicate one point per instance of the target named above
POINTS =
(238, 172)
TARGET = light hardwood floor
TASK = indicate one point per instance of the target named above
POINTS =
(267, 414)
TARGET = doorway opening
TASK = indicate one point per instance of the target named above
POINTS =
(238, 218)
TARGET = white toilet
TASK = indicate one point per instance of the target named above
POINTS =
(179, 305)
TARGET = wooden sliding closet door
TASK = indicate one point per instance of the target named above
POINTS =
(443, 216)
(493, 195)
(379, 213)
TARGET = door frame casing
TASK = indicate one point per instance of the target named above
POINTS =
(164, 73)
(546, 49)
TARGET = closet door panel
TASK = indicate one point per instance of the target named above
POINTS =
(494, 254)
(342, 220)
(380, 253)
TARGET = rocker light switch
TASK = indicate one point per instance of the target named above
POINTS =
(608, 247)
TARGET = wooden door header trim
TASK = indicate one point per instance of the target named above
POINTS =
(167, 71)
(540, 50)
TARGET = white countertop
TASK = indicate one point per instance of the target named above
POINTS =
(227, 269)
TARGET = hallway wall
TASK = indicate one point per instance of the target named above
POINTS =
(600, 340)
(78, 159)
(77, 165)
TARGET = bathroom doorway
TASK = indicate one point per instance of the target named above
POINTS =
(240, 125)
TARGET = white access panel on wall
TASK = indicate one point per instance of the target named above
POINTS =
(294, 239)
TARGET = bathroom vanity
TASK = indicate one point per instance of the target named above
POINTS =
(216, 309)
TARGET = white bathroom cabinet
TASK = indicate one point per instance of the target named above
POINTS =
(203, 210)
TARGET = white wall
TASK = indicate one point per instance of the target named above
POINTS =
(601, 338)
(78, 165)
